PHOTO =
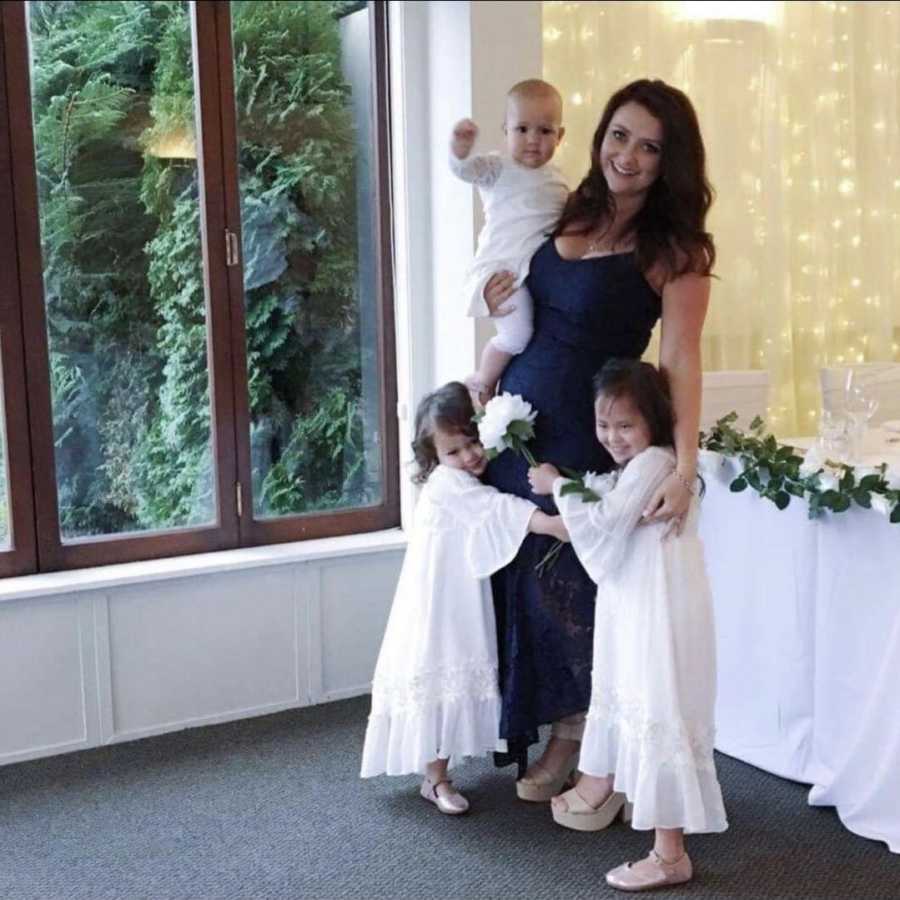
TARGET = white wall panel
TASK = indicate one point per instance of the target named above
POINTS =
(98, 667)
(355, 601)
(199, 649)
(44, 694)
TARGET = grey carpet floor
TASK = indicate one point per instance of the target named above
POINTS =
(273, 808)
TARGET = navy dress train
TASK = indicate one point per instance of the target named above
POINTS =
(586, 311)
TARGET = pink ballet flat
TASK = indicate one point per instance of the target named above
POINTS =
(453, 804)
(652, 872)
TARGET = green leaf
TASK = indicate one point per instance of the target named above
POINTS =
(870, 482)
(895, 514)
(521, 428)
(793, 488)
(570, 487)
(862, 498)
(841, 504)
(782, 499)
(848, 480)
(738, 485)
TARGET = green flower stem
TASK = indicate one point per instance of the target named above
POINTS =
(528, 456)
(549, 559)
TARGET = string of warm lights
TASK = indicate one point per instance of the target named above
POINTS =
(799, 104)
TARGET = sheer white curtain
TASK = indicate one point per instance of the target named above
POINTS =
(800, 111)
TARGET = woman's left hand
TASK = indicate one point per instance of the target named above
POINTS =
(669, 504)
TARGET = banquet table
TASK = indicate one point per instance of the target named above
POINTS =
(808, 642)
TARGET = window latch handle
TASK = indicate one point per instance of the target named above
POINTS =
(232, 251)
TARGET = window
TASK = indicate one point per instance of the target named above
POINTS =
(203, 275)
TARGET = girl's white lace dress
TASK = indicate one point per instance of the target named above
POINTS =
(651, 716)
(435, 691)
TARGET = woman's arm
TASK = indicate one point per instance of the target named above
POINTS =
(684, 303)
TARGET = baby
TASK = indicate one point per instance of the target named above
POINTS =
(523, 196)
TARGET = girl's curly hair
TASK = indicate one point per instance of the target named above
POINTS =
(449, 408)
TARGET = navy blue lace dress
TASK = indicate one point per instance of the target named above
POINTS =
(585, 312)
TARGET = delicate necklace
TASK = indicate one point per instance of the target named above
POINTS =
(594, 245)
(602, 243)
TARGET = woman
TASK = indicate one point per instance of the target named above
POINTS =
(630, 247)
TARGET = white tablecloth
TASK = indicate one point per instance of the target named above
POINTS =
(808, 632)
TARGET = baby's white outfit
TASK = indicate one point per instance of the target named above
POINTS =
(651, 715)
(521, 207)
(435, 691)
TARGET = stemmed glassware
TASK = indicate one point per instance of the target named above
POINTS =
(834, 437)
(859, 407)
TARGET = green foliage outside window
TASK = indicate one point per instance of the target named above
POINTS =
(122, 262)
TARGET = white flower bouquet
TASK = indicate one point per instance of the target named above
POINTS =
(507, 422)
(592, 487)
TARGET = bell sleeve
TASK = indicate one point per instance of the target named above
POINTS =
(600, 530)
(490, 525)
(482, 170)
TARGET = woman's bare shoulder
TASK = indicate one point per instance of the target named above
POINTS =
(681, 267)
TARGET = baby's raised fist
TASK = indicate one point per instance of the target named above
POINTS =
(465, 130)
(464, 133)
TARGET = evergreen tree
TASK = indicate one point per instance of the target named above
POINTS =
(122, 261)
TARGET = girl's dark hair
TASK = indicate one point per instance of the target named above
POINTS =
(670, 226)
(449, 409)
(647, 388)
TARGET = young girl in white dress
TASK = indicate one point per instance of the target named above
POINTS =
(647, 749)
(435, 693)
(523, 195)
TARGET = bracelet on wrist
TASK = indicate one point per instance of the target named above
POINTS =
(687, 483)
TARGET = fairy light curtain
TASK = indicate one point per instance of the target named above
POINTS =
(799, 104)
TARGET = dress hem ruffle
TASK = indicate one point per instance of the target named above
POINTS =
(666, 790)
(403, 742)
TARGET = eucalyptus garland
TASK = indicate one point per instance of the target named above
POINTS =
(778, 473)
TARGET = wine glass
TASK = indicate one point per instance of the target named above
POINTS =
(860, 409)
(834, 434)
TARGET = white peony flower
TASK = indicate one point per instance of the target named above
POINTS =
(600, 484)
(828, 480)
(491, 433)
(499, 412)
(882, 504)
(509, 407)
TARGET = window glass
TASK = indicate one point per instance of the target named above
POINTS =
(119, 206)
(303, 86)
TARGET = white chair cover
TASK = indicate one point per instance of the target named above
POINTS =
(746, 391)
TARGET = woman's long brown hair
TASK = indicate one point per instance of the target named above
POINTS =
(670, 228)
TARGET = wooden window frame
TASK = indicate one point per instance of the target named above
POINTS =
(387, 513)
(34, 511)
(22, 555)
